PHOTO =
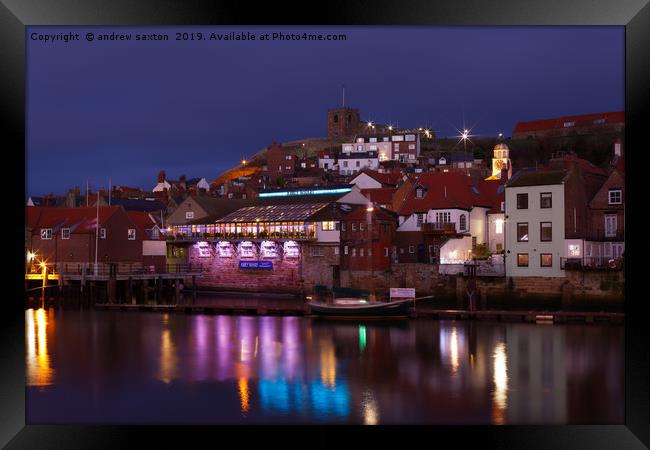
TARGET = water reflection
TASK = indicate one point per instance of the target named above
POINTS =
(290, 369)
(500, 378)
(39, 370)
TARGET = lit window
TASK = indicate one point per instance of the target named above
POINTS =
(189, 215)
(522, 259)
(386, 252)
(369, 252)
(327, 226)
(546, 260)
(288, 157)
(361, 227)
(102, 233)
(569, 124)
(345, 250)
(419, 192)
(354, 226)
(545, 200)
(336, 250)
(65, 233)
(354, 252)
(131, 234)
(546, 231)
(522, 232)
(574, 250)
(361, 252)
(46, 233)
(615, 196)
(498, 225)
(411, 249)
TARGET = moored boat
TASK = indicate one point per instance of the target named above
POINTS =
(354, 308)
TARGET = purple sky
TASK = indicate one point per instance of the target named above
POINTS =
(125, 110)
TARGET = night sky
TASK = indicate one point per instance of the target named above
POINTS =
(126, 110)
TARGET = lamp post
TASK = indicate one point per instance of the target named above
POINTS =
(44, 275)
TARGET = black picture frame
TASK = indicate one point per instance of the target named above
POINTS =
(15, 15)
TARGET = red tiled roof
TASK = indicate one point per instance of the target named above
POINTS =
(558, 122)
(142, 221)
(449, 190)
(381, 196)
(79, 220)
(586, 167)
(392, 178)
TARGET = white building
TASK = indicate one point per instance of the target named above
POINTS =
(350, 163)
(535, 225)
(403, 147)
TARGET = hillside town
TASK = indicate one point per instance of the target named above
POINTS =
(370, 207)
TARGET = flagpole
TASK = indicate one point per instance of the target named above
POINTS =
(86, 193)
(97, 233)
(109, 191)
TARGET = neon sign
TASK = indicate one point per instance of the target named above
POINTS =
(305, 192)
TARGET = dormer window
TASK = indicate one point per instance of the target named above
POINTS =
(419, 192)
(569, 124)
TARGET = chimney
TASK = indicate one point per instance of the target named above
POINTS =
(71, 198)
(162, 176)
(617, 147)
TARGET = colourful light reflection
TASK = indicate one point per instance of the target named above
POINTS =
(167, 357)
(39, 372)
(244, 396)
(362, 337)
(327, 363)
(500, 378)
(453, 350)
(370, 409)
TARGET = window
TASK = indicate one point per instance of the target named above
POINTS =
(46, 233)
(615, 197)
(354, 252)
(386, 252)
(373, 147)
(189, 215)
(154, 233)
(336, 250)
(574, 250)
(546, 231)
(287, 167)
(420, 219)
(610, 225)
(359, 148)
(102, 233)
(342, 226)
(288, 157)
(347, 148)
(316, 251)
(370, 252)
(463, 221)
(345, 163)
(503, 206)
(411, 249)
(419, 192)
(443, 217)
(411, 146)
(358, 164)
(398, 138)
(410, 137)
(131, 234)
(345, 250)
(230, 195)
(361, 252)
(522, 259)
(361, 226)
(546, 200)
(546, 260)
(599, 121)
(327, 226)
(522, 232)
(569, 124)
(372, 139)
(401, 250)
(396, 147)
(498, 226)
(522, 201)
(65, 233)
(354, 226)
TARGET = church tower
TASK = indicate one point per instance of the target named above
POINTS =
(342, 122)
(500, 161)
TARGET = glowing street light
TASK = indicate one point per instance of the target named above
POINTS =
(370, 209)
(243, 161)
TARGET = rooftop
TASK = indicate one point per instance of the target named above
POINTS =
(537, 178)
(274, 213)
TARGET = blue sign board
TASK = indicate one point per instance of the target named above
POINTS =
(258, 265)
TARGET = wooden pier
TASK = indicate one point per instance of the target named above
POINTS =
(112, 283)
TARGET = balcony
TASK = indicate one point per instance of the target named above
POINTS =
(262, 236)
(599, 235)
(592, 263)
(439, 228)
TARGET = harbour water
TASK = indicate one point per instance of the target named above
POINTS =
(129, 367)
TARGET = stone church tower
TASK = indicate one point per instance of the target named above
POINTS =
(343, 122)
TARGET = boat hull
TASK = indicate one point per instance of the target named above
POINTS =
(391, 310)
